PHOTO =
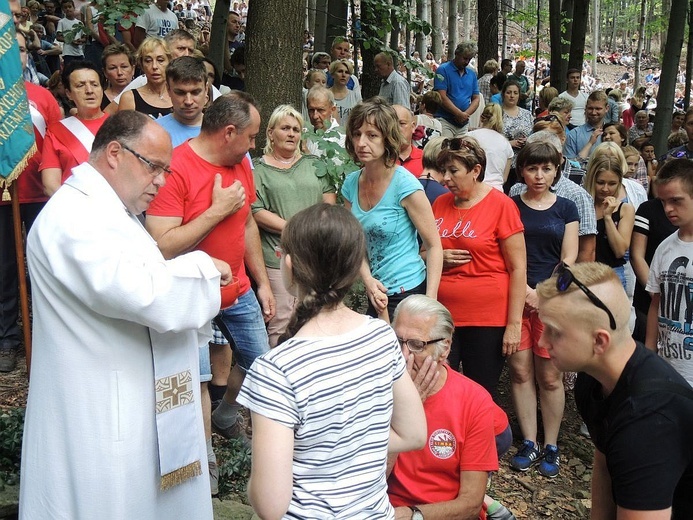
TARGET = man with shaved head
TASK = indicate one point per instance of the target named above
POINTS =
(410, 156)
(638, 409)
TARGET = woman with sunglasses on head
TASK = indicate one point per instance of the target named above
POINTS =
(484, 264)
(333, 398)
(615, 218)
(391, 205)
(551, 237)
(499, 153)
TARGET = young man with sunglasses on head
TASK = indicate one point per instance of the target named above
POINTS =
(638, 409)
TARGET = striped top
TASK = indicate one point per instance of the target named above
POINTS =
(336, 394)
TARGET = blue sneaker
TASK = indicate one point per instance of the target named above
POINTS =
(550, 463)
(526, 457)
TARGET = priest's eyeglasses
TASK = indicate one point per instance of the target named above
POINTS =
(154, 169)
(565, 277)
(416, 345)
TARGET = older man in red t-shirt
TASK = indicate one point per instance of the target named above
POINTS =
(466, 429)
(410, 156)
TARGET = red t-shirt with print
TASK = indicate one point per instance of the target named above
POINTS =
(460, 421)
(476, 294)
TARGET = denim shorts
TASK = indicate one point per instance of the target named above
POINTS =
(243, 326)
(205, 364)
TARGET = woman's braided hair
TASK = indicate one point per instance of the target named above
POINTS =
(327, 247)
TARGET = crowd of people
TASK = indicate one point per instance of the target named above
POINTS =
(486, 231)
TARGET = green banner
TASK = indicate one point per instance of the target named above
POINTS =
(16, 130)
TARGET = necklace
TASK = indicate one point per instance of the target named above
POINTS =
(472, 203)
(283, 161)
(159, 94)
(534, 203)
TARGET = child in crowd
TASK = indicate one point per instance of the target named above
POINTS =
(427, 126)
(73, 44)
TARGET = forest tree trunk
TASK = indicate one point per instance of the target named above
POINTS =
(274, 68)
(487, 13)
(668, 77)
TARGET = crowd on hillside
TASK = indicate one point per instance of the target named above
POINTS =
(476, 204)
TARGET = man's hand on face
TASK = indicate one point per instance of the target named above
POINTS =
(425, 376)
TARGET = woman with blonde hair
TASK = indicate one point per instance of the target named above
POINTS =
(286, 182)
(345, 99)
(499, 153)
(615, 218)
(151, 99)
(391, 205)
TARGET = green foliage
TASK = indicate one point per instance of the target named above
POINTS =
(112, 12)
(376, 23)
(336, 162)
(11, 431)
(233, 460)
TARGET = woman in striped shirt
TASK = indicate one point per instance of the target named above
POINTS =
(333, 398)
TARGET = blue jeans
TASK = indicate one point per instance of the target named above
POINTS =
(243, 325)
(621, 272)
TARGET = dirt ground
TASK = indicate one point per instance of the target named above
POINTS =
(529, 495)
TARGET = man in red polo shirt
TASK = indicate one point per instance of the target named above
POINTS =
(409, 156)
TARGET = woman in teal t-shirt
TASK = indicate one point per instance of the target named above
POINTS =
(392, 208)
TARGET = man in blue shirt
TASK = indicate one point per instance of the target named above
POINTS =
(459, 89)
(581, 140)
(186, 81)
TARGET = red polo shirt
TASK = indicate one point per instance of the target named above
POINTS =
(413, 163)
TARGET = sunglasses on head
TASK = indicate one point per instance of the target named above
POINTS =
(550, 118)
(455, 144)
(565, 277)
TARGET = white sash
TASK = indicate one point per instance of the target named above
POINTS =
(79, 130)
(38, 120)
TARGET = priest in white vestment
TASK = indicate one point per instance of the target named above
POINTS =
(113, 424)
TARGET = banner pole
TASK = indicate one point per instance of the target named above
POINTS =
(21, 274)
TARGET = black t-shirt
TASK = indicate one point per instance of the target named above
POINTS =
(603, 252)
(544, 232)
(645, 433)
(651, 221)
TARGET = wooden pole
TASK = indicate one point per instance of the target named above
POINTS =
(21, 273)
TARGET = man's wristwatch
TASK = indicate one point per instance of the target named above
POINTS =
(416, 513)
